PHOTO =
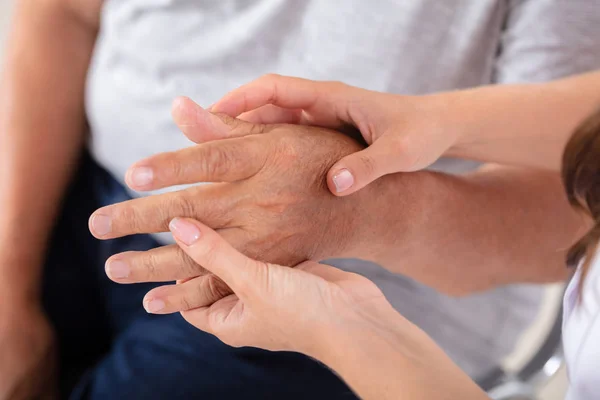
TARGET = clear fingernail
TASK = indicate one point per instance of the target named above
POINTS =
(154, 306)
(343, 180)
(184, 231)
(101, 224)
(117, 269)
(141, 176)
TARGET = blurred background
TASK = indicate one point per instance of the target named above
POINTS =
(529, 344)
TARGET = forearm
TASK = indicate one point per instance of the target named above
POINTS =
(488, 228)
(41, 132)
(524, 125)
(387, 357)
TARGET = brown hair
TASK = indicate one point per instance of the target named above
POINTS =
(581, 177)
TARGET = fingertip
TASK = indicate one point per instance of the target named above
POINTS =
(184, 111)
(139, 177)
(100, 224)
(186, 230)
(154, 306)
(117, 269)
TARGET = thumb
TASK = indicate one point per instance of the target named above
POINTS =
(201, 125)
(359, 169)
(208, 249)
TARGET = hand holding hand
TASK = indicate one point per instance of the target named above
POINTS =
(405, 133)
(269, 201)
(275, 307)
(339, 318)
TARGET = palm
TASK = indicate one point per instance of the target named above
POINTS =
(304, 288)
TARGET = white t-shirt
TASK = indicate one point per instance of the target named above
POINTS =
(581, 334)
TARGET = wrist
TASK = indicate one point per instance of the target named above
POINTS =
(348, 333)
(441, 113)
(390, 217)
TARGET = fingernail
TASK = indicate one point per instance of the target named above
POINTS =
(154, 306)
(117, 269)
(343, 180)
(141, 176)
(184, 231)
(101, 224)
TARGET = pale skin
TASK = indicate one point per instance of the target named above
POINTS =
(345, 320)
(339, 318)
(499, 124)
(42, 127)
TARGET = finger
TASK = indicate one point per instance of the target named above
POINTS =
(214, 204)
(198, 292)
(212, 319)
(359, 169)
(271, 114)
(163, 264)
(213, 252)
(219, 161)
(330, 99)
(202, 126)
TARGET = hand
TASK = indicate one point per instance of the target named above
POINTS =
(271, 203)
(27, 353)
(339, 318)
(274, 307)
(405, 133)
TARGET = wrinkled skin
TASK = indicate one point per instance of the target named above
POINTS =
(271, 203)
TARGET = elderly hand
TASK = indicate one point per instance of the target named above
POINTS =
(270, 203)
(405, 133)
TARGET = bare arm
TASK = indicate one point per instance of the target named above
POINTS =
(389, 358)
(471, 233)
(41, 128)
(525, 125)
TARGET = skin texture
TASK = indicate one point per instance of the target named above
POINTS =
(264, 205)
(340, 311)
(403, 132)
(271, 203)
(42, 127)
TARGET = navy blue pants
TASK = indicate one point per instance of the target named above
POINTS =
(111, 349)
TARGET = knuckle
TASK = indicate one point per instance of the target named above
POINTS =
(256, 129)
(175, 169)
(188, 265)
(185, 303)
(367, 164)
(127, 218)
(217, 289)
(408, 147)
(184, 205)
(259, 272)
(150, 264)
(217, 160)
(211, 250)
